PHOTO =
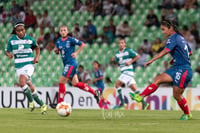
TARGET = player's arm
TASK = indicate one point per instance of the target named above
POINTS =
(99, 78)
(133, 60)
(79, 50)
(37, 52)
(9, 54)
(8, 50)
(159, 55)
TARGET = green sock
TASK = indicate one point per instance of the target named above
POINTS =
(120, 96)
(37, 99)
(27, 92)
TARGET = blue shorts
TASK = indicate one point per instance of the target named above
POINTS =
(181, 75)
(69, 71)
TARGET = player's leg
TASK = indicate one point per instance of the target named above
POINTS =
(27, 92)
(36, 98)
(118, 85)
(133, 87)
(182, 102)
(162, 78)
(62, 89)
(75, 82)
(182, 79)
(103, 103)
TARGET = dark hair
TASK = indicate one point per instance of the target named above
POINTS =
(99, 65)
(18, 23)
(81, 66)
(169, 23)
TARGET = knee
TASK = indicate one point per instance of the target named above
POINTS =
(156, 81)
(22, 80)
(177, 97)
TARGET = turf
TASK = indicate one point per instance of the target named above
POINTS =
(97, 121)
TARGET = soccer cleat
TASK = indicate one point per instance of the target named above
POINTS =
(31, 106)
(145, 105)
(121, 106)
(136, 97)
(186, 117)
(53, 105)
(44, 109)
(97, 96)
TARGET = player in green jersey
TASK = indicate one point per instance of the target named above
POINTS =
(21, 46)
(125, 57)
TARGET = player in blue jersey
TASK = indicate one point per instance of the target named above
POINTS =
(180, 74)
(65, 45)
(98, 74)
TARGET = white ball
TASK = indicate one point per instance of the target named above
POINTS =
(64, 109)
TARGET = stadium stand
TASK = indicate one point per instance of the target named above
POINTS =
(49, 69)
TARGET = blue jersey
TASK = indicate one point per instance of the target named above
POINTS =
(97, 74)
(179, 49)
(66, 48)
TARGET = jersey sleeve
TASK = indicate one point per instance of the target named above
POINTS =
(189, 48)
(100, 73)
(132, 53)
(34, 43)
(57, 43)
(116, 58)
(9, 46)
(76, 41)
(170, 45)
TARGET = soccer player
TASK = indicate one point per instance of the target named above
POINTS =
(21, 46)
(125, 57)
(98, 74)
(179, 74)
(65, 45)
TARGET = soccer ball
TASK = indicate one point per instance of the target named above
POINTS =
(64, 109)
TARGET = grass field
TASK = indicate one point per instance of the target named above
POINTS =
(97, 121)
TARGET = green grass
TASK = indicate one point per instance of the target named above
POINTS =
(97, 121)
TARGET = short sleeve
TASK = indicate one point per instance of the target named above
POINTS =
(100, 73)
(76, 41)
(132, 53)
(116, 58)
(170, 45)
(34, 43)
(189, 48)
(9, 46)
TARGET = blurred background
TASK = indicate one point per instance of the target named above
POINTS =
(99, 23)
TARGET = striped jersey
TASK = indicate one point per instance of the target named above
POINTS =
(22, 50)
(122, 57)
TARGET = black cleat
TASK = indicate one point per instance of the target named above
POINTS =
(53, 105)
(97, 96)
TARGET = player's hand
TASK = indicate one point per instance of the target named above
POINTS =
(148, 63)
(128, 63)
(56, 50)
(171, 62)
(74, 55)
(36, 60)
(94, 80)
(113, 59)
(10, 55)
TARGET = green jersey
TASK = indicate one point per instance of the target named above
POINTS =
(122, 57)
(22, 50)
